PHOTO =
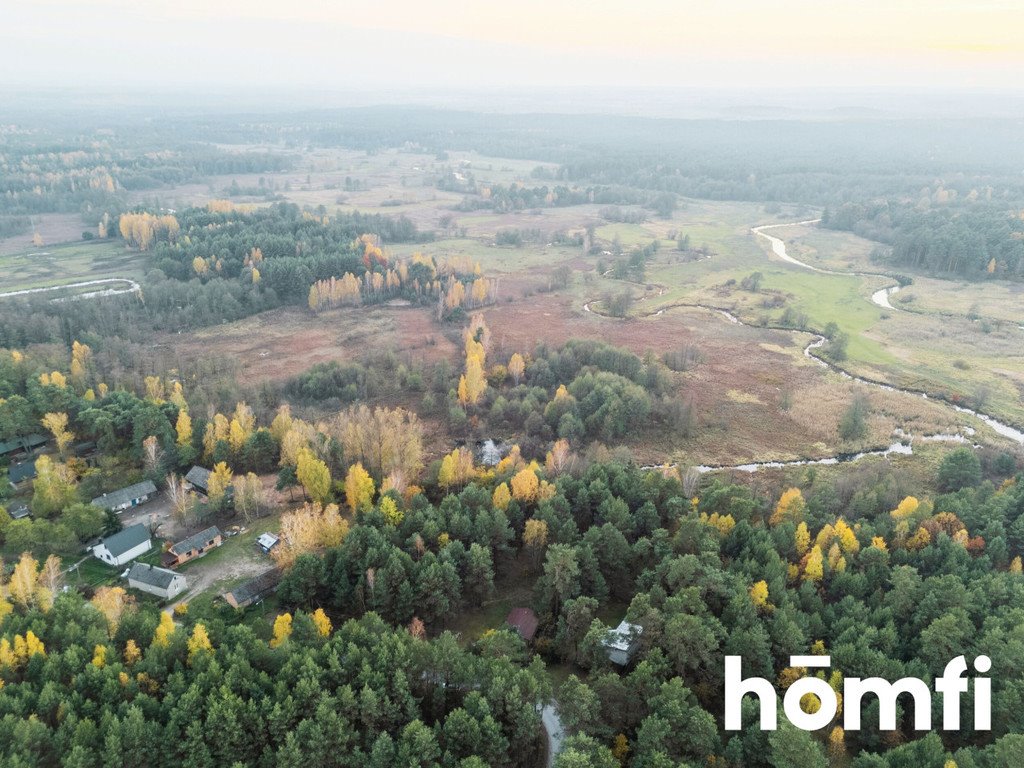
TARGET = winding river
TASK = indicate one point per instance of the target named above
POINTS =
(129, 286)
(905, 442)
(879, 297)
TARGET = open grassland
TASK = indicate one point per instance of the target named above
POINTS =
(61, 264)
(754, 395)
(957, 341)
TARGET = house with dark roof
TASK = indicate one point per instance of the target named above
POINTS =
(524, 622)
(124, 546)
(196, 545)
(19, 512)
(156, 581)
(126, 498)
(254, 590)
(198, 479)
(21, 473)
(22, 444)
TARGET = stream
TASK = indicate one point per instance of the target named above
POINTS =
(130, 286)
(879, 297)
(904, 445)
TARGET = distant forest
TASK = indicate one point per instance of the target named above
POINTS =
(942, 193)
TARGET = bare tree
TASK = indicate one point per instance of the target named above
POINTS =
(178, 493)
(690, 478)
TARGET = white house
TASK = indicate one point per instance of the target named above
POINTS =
(623, 642)
(124, 546)
(156, 581)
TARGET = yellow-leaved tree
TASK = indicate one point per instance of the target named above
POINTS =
(516, 367)
(525, 485)
(502, 497)
(815, 568)
(321, 622)
(112, 602)
(359, 488)
(282, 630)
(219, 482)
(389, 509)
(313, 475)
(199, 643)
(307, 529)
(905, 508)
(802, 539)
(57, 424)
(535, 538)
(790, 507)
(759, 595)
(164, 631)
(183, 427)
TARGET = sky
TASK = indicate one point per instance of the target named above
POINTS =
(344, 45)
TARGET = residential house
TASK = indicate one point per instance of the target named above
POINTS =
(126, 498)
(156, 581)
(21, 473)
(524, 621)
(19, 512)
(124, 546)
(196, 545)
(22, 444)
(623, 642)
(254, 590)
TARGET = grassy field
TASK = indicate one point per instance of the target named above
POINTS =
(68, 263)
(755, 394)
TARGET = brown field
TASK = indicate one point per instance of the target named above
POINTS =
(737, 391)
(279, 344)
(754, 394)
(52, 227)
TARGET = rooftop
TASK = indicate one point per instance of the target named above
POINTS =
(22, 443)
(124, 495)
(267, 540)
(127, 539)
(150, 574)
(623, 636)
(199, 477)
(524, 621)
(26, 470)
(252, 589)
(195, 541)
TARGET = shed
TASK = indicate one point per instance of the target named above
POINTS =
(524, 621)
(267, 541)
(156, 581)
(125, 498)
(198, 478)
(623, 642)
(254, 590)
(196, 545)
(124, 546)
(19, 473)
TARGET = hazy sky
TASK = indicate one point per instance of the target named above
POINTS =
(340, 44)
